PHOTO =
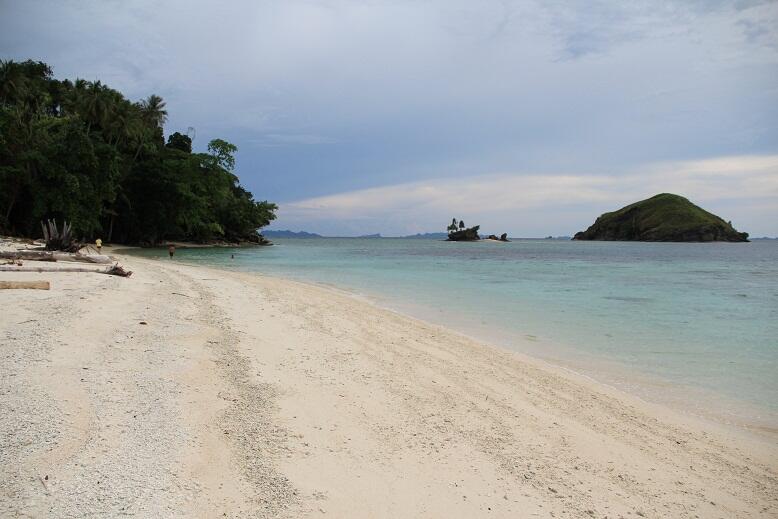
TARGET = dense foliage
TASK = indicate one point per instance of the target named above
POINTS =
(79, 151)
(663, 217)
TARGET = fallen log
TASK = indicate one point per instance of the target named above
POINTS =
(115, 270)
(54, 256)
(35, 285)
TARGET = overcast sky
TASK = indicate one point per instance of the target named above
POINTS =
(395, 116)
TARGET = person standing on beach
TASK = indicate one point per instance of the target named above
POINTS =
(99, 245)
(171, 249)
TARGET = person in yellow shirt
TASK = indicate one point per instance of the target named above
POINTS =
(99, 244)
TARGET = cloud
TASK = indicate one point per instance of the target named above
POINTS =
(333, 96)
(537, 205)
(270, 140)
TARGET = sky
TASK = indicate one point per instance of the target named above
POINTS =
(527, 117)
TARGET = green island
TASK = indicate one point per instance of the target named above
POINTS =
(79, 151)
(663, 217)
(457, 231)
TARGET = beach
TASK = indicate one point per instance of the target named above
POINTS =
(188, 391)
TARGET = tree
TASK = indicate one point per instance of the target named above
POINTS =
(153, 111)
(12, 82)
(95, 104)
(461, 224)
(179, 141)
(80, 151)
(224, 153)
(452, 226)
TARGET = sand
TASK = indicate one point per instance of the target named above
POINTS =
(192, 392)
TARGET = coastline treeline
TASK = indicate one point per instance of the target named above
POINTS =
(80, 151)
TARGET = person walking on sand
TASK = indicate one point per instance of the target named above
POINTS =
(99, 245)
(171, 249)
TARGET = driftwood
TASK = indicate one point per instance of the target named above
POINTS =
(59, 240)
(36, 255)
(115, 270)
(37, 285)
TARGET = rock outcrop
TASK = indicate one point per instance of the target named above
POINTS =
(664, 217)
(503, 237)
(469, 234)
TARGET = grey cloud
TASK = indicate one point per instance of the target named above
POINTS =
(278, 139)
(327, 97)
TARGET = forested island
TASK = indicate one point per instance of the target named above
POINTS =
(290, 234)
(80, 151)
(663, 217)
(457, 231)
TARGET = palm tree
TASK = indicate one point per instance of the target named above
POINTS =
(11, 80)
(153, 110)
(73, 102)
(118, 119)
(151, 116)
(452, 226)
(95, 105)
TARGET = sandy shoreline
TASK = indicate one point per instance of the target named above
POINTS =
(244, 395)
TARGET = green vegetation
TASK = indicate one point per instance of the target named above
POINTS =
(664, 217)
(458, 232)
(79, 151)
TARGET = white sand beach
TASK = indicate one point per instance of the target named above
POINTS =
(192, 392)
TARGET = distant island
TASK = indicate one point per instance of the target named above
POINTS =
(290, 234)
(428, 236)
(664, 217)
(458, 231)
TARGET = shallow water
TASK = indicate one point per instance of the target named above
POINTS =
(690, 324)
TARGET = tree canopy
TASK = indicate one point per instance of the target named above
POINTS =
(80, 151)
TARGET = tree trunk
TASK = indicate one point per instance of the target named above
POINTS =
(35, 255)
(11, 204)
(35, 285)
(115, 270)
(110, 228)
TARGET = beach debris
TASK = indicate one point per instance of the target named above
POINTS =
(59, 240)
(33, 285)
(115, 270)
(37, 255)
(118, 270)
(143, 322)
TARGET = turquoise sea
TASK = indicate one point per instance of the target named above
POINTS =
(693, 326)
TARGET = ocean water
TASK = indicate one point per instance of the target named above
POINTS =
(694, 326)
